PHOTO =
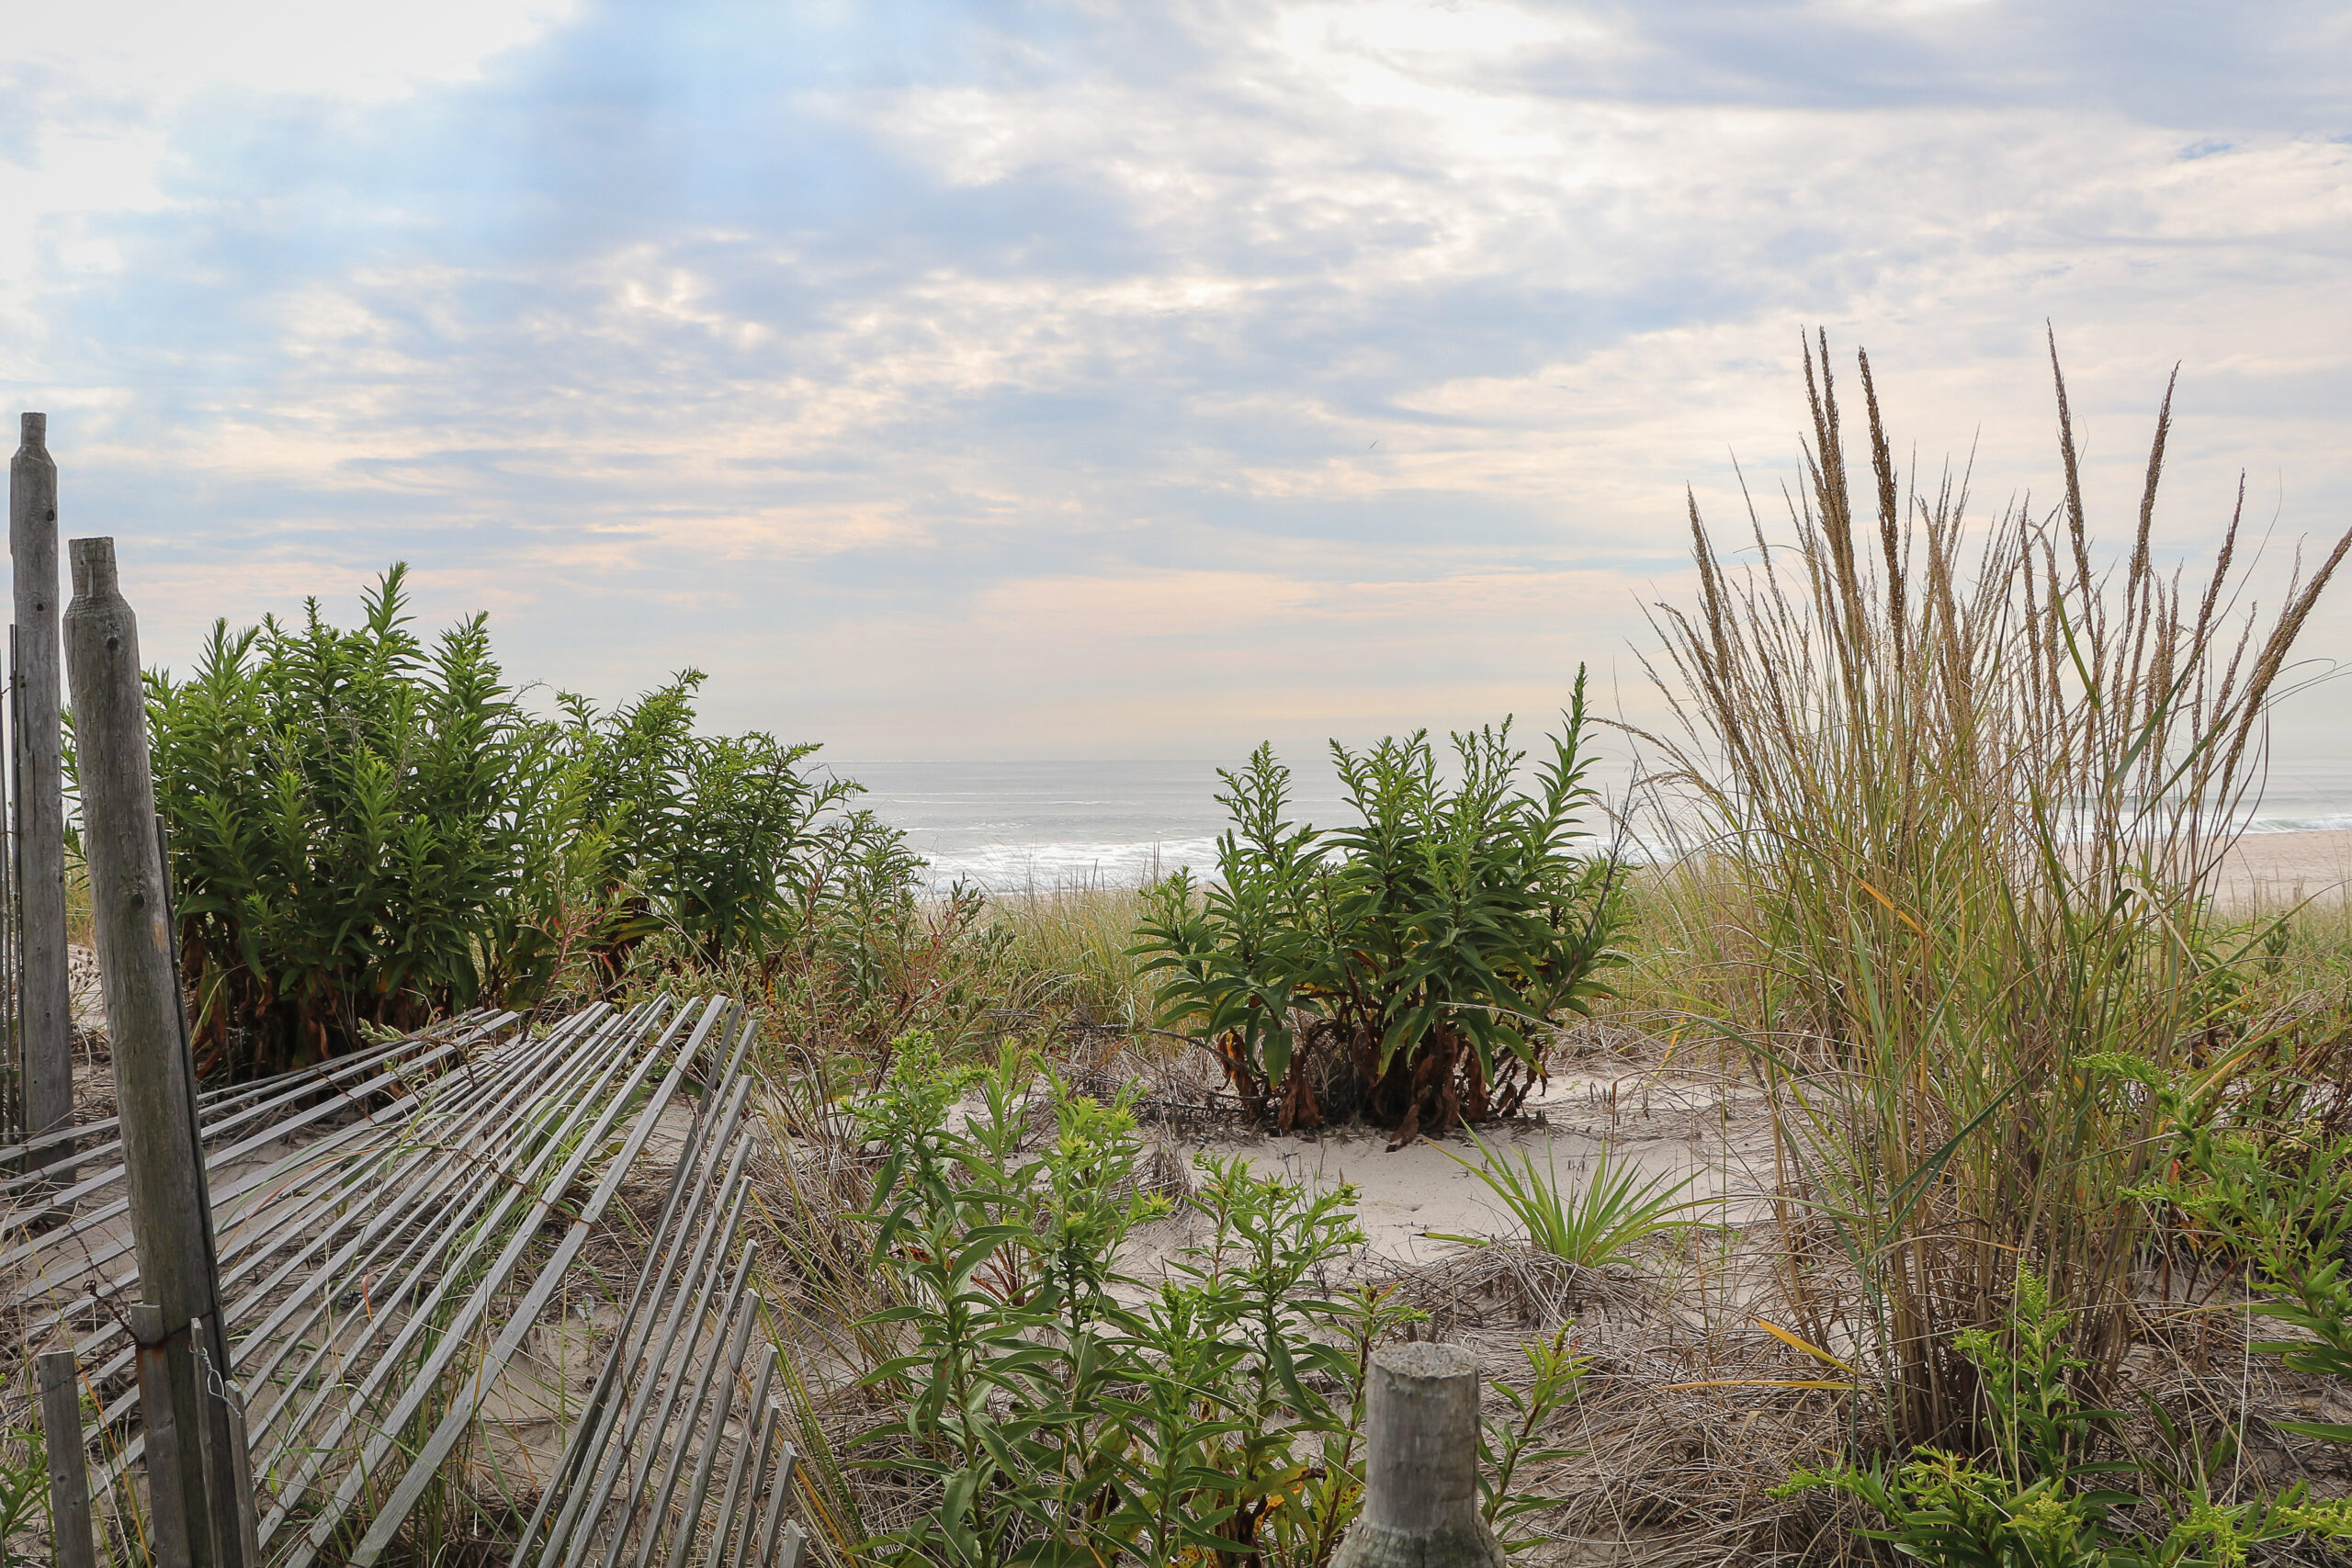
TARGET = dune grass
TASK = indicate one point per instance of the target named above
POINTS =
(1068, 946)
(1970, 792)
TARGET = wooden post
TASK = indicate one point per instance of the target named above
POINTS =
(171, 1222)
(1420, 1478)
(173, 1489)
(46, 1025)
(69, 1476)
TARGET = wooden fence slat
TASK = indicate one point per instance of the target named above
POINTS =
(69, 1474)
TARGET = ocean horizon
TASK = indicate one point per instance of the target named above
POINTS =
(1042, 826)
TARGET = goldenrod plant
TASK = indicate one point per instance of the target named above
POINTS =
(2039, 1496)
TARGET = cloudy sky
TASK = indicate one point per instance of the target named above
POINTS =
(1004, 380)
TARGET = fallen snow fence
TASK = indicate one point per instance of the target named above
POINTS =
(391, 1230)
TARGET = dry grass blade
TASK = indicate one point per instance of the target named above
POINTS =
(1969, 799)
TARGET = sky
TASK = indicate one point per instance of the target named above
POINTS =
(1109, 380)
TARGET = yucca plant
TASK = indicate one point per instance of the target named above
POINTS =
(1972, 783)
(1587, 1224)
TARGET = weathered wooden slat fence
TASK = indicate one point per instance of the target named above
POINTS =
(289, 1304)
(361, 1271)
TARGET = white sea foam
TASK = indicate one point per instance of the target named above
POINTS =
(1061, 865)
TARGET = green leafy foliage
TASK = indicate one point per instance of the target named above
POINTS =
(1066, 1412)
(1411, 962)
(24, 1494)
(2039, 1498)
(2278, 1197)
(367, 831)
(1507, 1444)
(340, 808)
(1590, 1223)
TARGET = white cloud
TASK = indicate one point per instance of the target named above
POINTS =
(159, 55)
(1130, 381)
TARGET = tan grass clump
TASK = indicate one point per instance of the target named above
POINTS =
(1971, 786)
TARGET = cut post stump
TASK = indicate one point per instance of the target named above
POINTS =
(1420, 1481)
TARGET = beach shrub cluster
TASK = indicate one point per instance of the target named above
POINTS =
(366, 832)
(2267, 1193)
(1409, 967)
(1062, 1411)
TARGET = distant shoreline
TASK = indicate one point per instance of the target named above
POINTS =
(2268, 871)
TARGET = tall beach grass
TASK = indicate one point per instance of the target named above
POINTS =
(1962, 790)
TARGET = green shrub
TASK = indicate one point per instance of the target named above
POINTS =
(2277, 1194)
(1052, 1421)
(341, 808)
(2039, 1498)
(1413, 961)
(366, 832)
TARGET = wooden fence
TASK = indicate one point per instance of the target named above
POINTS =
(266, 1321)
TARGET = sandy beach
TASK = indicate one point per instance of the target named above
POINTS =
(2270, 869)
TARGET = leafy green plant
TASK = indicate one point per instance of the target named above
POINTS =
(1590, 1223)
(1055, 1409)
(24, 1493)
(2043, 1501)
(1412, 961)
(367, 831)
(1507, 1444)
(2279, 1198)
(339, 816)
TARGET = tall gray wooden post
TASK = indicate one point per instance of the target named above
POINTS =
(1420, 1478)
(69, 1475)
(171, 1219)
(47, 1022)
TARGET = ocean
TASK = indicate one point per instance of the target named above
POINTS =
(1013, 827)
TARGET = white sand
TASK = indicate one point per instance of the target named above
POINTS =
(1662, 1122)
(2277, 870)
